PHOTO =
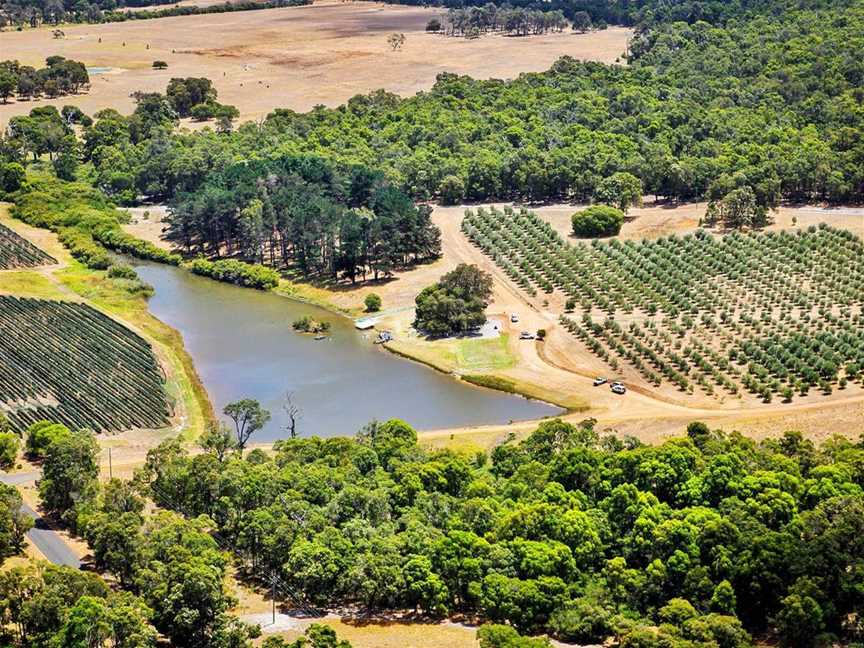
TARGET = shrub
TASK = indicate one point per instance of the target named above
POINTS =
(82, 246)
(122, 272)
(597, 220)
(12, 177)
(372, 303)
(236, 272)
(434, 25)
(491, 382)
(203, 111)
(42, 434)
(9, 445)
(302, 324)
(452, 190)
(119, 241)
(306, 324)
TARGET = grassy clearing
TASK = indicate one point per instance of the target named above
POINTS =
(458, 355)
(29, 283)
(398, 634)
(479, 361)
(491, 382)
(314, 295)
(484, 354)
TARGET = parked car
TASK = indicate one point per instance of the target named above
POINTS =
(514, 318)
(599, 381)
(525, 335)
(618, 388)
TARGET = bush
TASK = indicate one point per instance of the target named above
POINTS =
(9, 445)
(119, 241)
(12, 177)
(42, 434)
(82, 246)
(203, 111)
(452, 190)
(434, 25)
(491, 382)
(236, 272)
(372, 303)
(306, 324)
(597, 220)
(122, 272)
(85, 221)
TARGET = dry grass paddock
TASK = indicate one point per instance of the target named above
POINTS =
(296, 57)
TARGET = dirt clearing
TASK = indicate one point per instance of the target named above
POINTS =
(296, 57)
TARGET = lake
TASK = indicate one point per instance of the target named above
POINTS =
(243, 346)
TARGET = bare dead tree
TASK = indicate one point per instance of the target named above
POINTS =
(292, 411)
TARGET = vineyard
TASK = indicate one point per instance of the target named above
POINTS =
(17, 252)
(69, 363)
(769, 314)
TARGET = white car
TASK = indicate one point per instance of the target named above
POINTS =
(618, 388)
(599, 381)
(514, 318)
(525, 335)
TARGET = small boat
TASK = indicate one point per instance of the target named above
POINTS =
(320, 337)
(384, 337)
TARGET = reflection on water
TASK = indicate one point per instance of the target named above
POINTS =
(243, 347)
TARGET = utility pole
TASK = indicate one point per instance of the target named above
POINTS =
(273, 594)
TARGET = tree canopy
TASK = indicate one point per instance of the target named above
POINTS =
(456, 304)
(712, 537)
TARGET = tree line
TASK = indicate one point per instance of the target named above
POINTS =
(305, 212)
(471, 22)
(19, 13)
(60, 76)
(687, 118)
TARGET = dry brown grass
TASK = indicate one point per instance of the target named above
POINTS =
(294, 58)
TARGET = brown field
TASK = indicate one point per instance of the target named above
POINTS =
(296, 57)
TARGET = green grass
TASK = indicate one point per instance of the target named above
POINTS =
(484, 354)
(492, 382)
(26, 283)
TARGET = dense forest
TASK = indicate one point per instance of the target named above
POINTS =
(305, 212)
(712, 537)
(770, 102)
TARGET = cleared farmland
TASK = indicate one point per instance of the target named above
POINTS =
(18, 252)
(761, 314)
(69, 363)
